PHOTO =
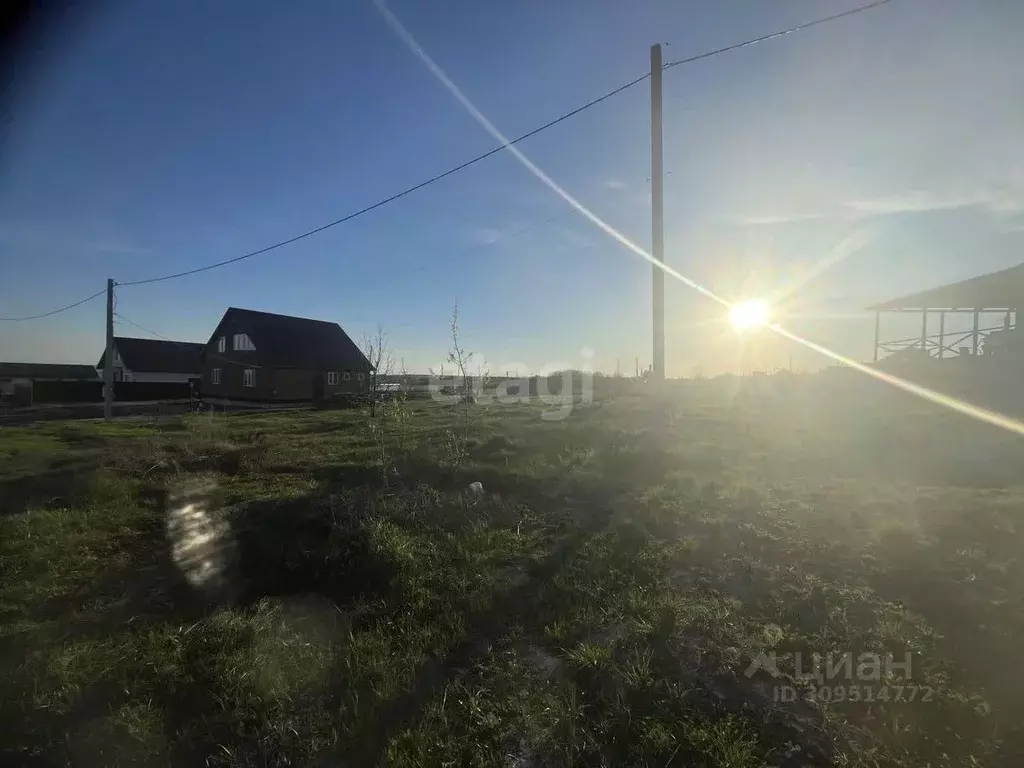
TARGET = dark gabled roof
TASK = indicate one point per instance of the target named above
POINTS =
(996, 290)
(283, 341)
(46, 371)
(157, 355)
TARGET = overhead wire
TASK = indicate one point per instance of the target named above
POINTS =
(464, 165)
(212, 354)
(773, 35)
(396, 196)
(961, 406)
(55, 311)
(504, 235)
(147, 330)
(505, 145)
(417, 50)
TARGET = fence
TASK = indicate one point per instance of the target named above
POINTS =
(92, 391)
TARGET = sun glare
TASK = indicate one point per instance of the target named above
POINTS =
(748, 315)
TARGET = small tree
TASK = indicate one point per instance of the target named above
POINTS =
(398, 406)
(483, 375)
(382, 361)
(378, 353)
(458, 355)
(460, 358)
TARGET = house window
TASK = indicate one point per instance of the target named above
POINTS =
(332, 378)
(241, 342)
(215, 375)
(249, 377)
(222, 344)
(359, 376)
(345, 375)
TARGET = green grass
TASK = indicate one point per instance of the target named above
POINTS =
(301, 588)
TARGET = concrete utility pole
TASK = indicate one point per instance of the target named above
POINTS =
(108, 358)
(878, 321)
(657, 218)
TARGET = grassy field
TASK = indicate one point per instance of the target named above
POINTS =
(320, 587)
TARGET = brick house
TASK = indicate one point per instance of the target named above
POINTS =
(264, 357)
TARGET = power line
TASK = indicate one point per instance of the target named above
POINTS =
(55, 311)
(773, 35)
(500, 148)
(211, 354)
(398, 195)
(151, 333)
(462, 166)
(504, 235)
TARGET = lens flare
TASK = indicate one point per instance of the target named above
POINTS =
(981, 414)
(748, 315)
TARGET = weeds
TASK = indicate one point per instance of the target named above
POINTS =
(600, 604)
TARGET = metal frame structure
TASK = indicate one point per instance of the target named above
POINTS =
(938, 343)
(999, 293)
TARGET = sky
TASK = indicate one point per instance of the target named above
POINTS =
(856, 161)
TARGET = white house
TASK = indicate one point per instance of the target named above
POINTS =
(154, 360)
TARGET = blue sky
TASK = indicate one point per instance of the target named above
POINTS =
(156, 137)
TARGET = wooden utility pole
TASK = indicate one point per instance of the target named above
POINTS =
(108, 358)
(657, 218)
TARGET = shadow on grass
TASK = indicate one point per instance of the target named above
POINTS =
(68, 480)
(306, 546)
(965, 578)
(484, 627)
(76, 437)
(143, 591)
(418, 472)
(62, 483)
(137, 623)
(313, 545)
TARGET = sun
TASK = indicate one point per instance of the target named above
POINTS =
(748, 315)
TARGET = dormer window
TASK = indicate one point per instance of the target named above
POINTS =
(242, 343)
